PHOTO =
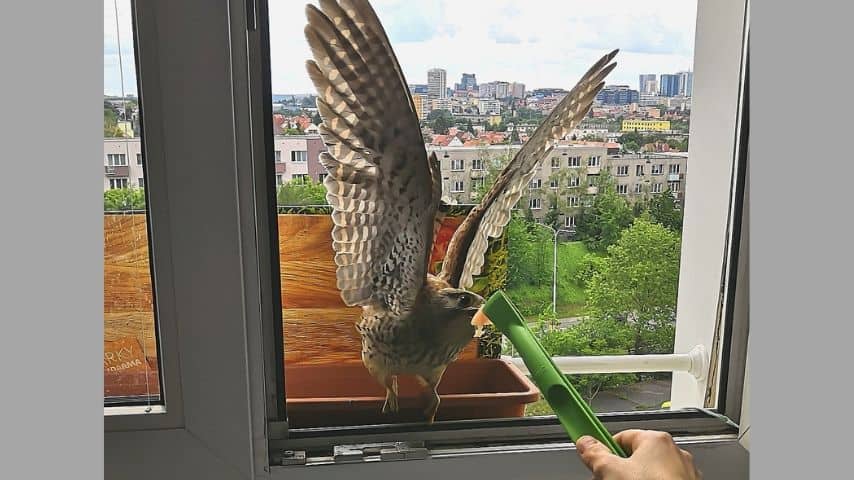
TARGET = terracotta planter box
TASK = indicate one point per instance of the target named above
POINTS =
(345, 394)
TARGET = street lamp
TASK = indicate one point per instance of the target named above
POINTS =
(554, 264)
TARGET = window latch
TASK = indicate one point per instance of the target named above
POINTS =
(290, 457)
(384, 452)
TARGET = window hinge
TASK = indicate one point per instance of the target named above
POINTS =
(384, 452)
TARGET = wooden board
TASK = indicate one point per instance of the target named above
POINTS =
(318, 327)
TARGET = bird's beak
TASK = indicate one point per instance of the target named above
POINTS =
(479, 321)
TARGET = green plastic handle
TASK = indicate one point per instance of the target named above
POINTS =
(573, 412)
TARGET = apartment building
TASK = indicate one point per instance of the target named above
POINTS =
(295, 157)
(570, 174)
(571, 171)
(122, 163)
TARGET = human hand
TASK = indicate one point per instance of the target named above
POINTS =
(652, 456)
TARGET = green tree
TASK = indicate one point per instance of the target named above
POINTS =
(526, 245)
(308, 101)
(589, 337)
(601, 224)
(636, 286)
(316, 119)
(552, 216)
(592, 138)
(469, 127)
(662, 210)
(492, 165)
(301, 192)
(631, 146)
(440, 121)
(111, 119)
(121, 199)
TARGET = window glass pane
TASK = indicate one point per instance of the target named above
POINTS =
(475, 113)
(131, 369)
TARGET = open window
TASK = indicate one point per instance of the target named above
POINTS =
(244, 276)
(546, 260)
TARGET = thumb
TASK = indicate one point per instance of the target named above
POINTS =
(594, 454)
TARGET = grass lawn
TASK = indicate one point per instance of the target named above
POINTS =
(570, 295)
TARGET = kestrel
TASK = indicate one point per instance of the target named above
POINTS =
(385, 193)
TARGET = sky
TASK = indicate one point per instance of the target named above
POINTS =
(541, 43)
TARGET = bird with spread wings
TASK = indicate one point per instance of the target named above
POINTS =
(385, 195)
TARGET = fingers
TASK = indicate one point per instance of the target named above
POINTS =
(631, 440)
(595, 456)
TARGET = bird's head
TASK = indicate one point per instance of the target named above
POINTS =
(458, 301)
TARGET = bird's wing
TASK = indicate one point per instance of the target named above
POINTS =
(488, 219)
(379, 182)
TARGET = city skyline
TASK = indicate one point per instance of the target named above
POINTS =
(538, 45)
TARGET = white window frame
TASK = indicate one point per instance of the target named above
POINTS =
(574, 182)
(572, 201)
(622, 189)
(574, 162)
(673, 169)
(116, 180)
(569, 221)
(140, 182)
(536, 184)
(593, 161)
(458, 186)
(673, 186)
(207, 431)
(278, 155)
(659, 170)
(458, 165)
(117, 160)
(622, 171)
(656, 187)
(139, 158)
(477, 164)
(555, 162)
(299, 156)
(638, 188)
(639, 171)
(300, 177)
(536, 204)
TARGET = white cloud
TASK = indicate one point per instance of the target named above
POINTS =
(537, 42)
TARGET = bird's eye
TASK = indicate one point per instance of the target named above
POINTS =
(465, 301)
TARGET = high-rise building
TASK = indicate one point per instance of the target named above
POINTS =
(517, 90)
(437, 86)
(617, 95)
(648, 83)
(422, 107)
(468, 82)
(686, 83)
(668, 85)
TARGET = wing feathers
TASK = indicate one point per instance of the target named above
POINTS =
(466, 251)
(379, 183)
